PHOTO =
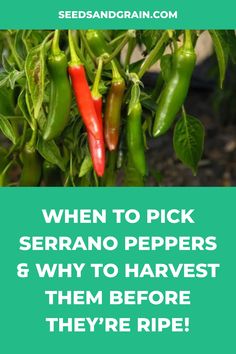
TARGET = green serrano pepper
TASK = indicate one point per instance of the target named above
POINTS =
(60, 96)
(176, 89)
(31, 172)
(132, 176)
(135, 141)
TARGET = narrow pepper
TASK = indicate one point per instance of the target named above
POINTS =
(30, 158)
(60, 96)
(97, 146)
(176, 89)
(135, 141)
(99, 46)
(82, 92)
(109, 179)
(113, 109)
(31, 172)
(132, 176)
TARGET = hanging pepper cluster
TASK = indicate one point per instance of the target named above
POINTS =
(75, 111)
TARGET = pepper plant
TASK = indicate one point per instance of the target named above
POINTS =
(73, 113)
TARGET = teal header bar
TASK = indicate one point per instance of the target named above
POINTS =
(124, 14)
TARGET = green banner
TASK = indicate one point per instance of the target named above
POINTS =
(118, 15)
(87, 270)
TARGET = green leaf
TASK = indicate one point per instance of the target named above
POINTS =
(148, 103)
(150, 37)
(11, 78)
(50, 152)
(23, 107)
(166, 65)
(7, 106)
(35, 74)
(189, 141)
(7, 66)
(29, 104)
(20, 45)
(230, 39)
(85, 166)
(135, 67)
(221, 50)
(4, 80)
(7, 129)
(15, 76)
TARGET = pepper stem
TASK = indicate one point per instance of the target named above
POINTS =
(188, 45)
(74, 57)
(86, 45)
(115, 72)
(175, 45)
(23, 136)
(152, 55)
(95, 90)
(6, 169)
(184, 113)
(13, 51)
(130, 35)
(34, 135)
(55, 43)
(130, 49)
